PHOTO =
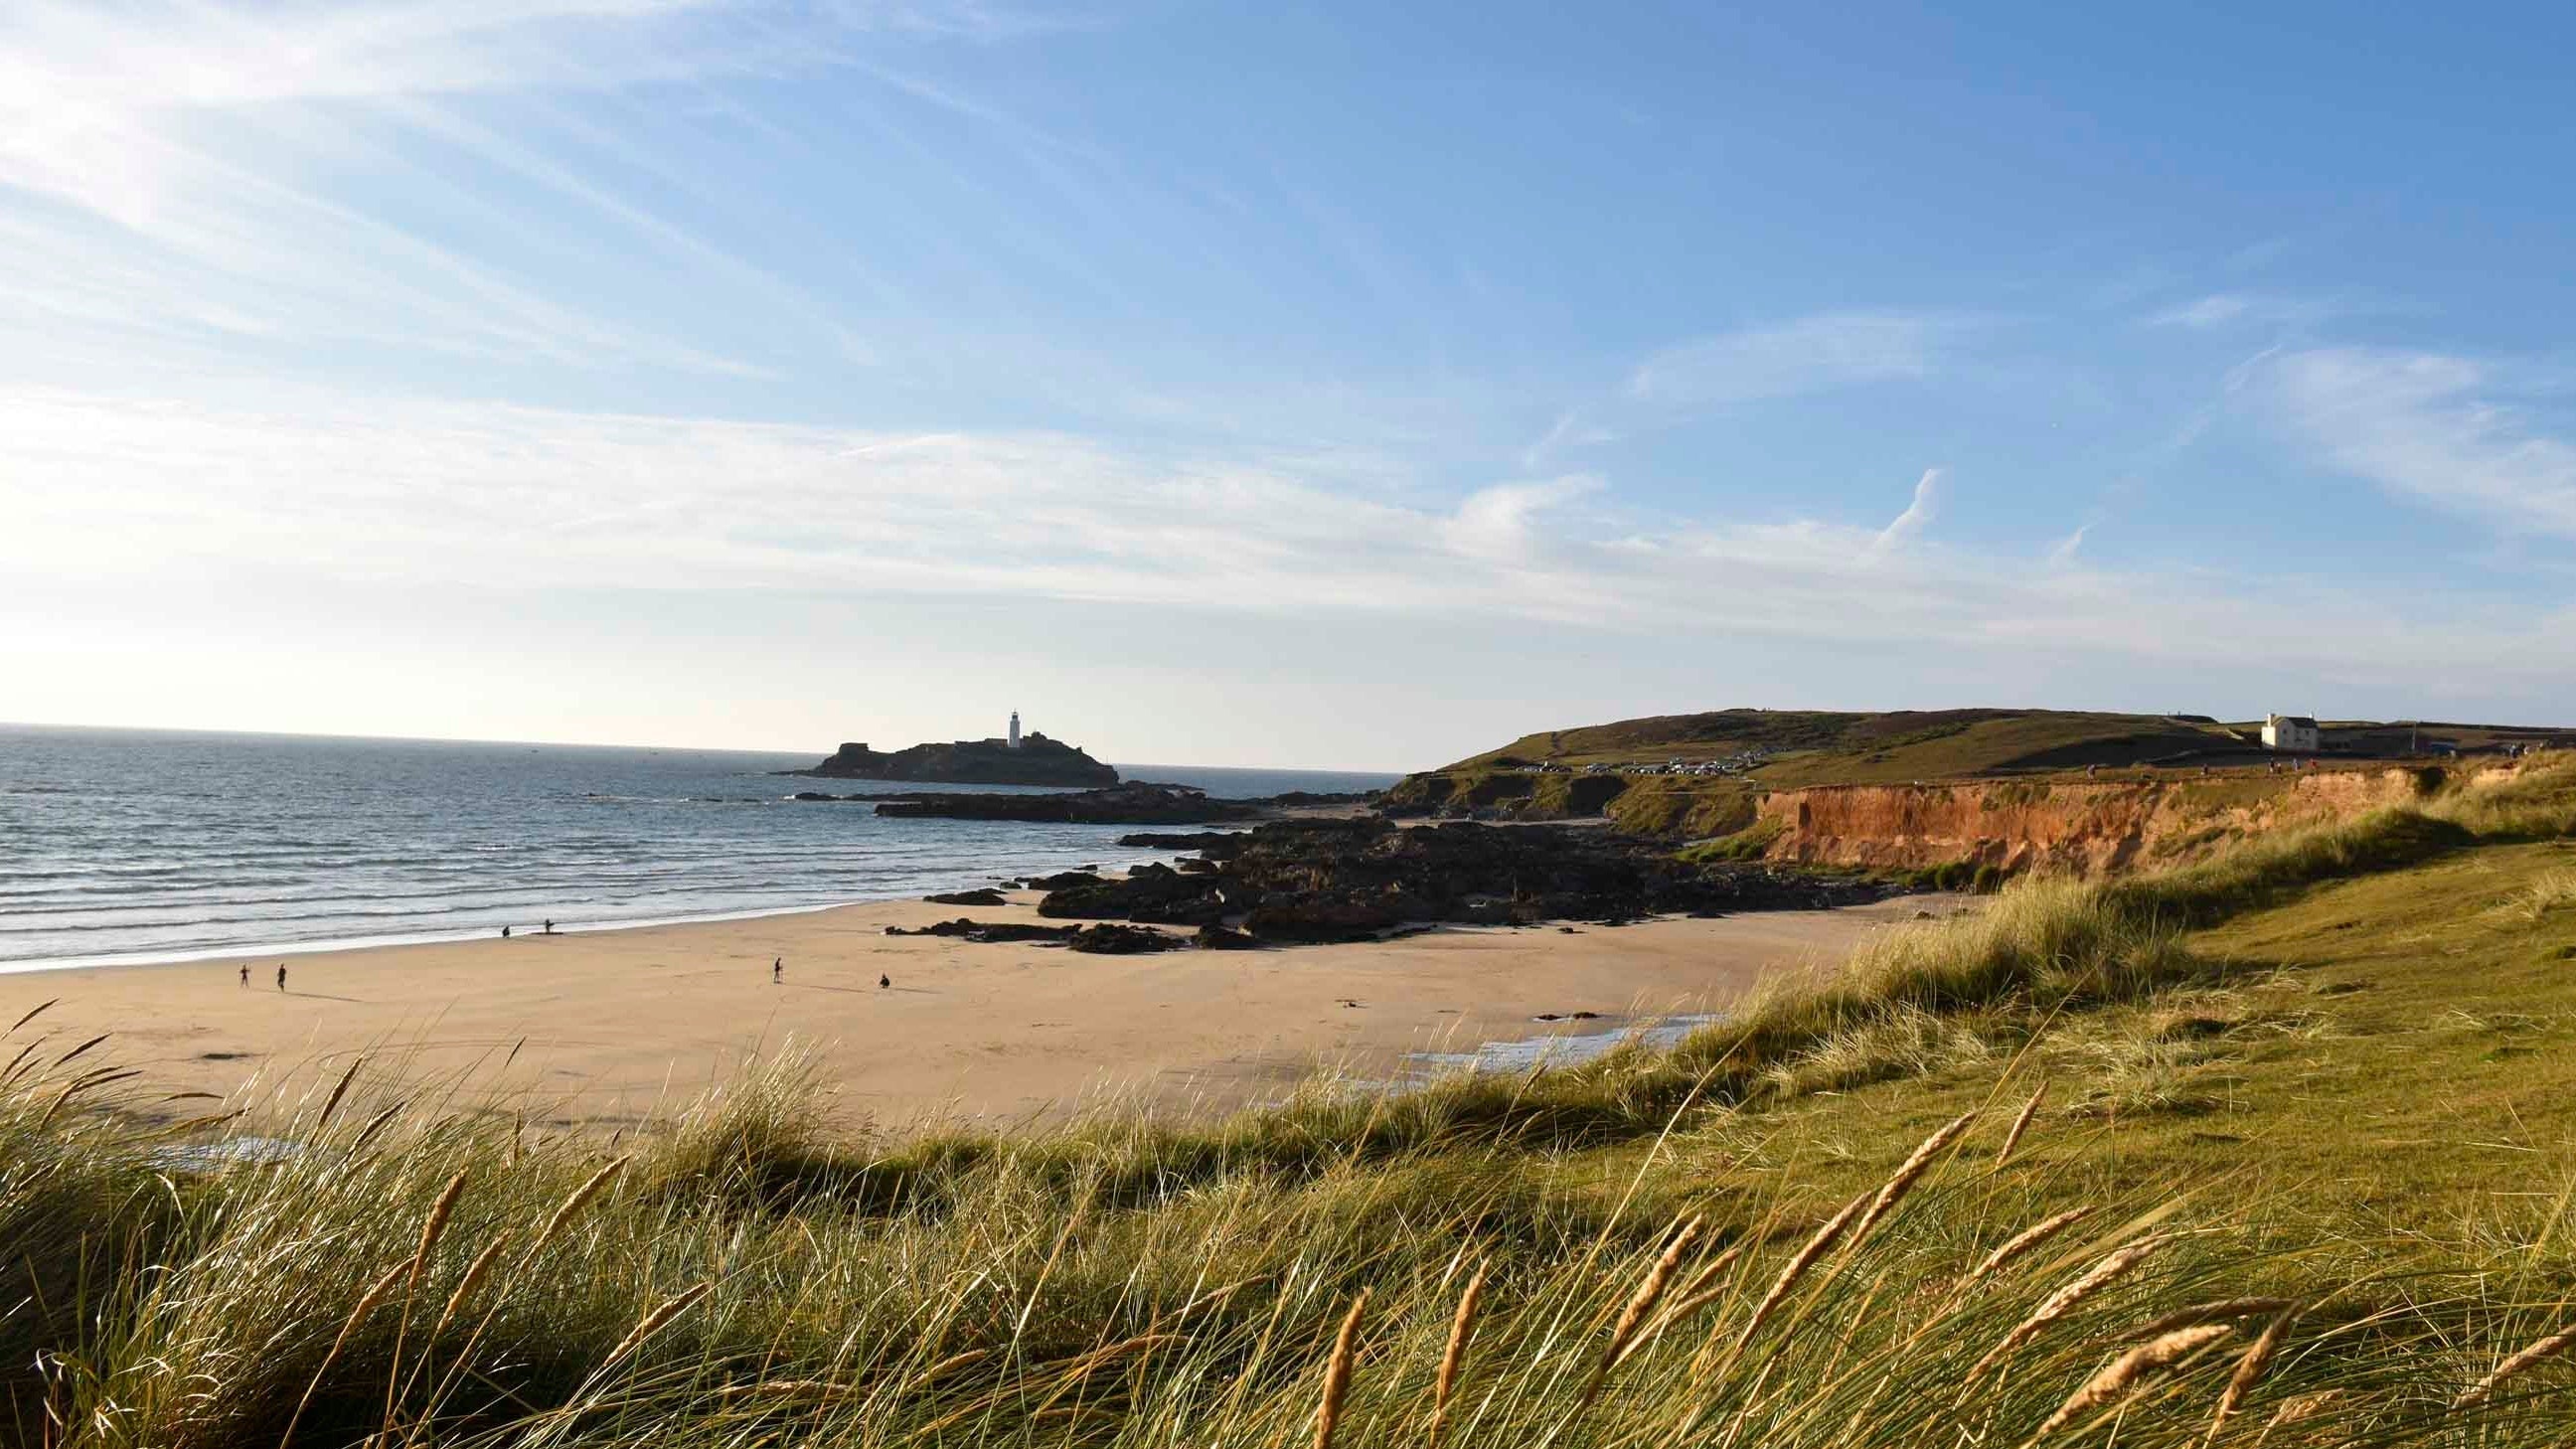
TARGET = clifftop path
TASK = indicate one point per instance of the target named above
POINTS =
(1037, 761)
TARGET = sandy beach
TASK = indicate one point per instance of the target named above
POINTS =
(605, 1025)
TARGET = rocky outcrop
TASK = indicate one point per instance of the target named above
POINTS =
(1060, 880)
(1102, 939)
(1340, 880)
(985, 897)
(1135, 803)
(1109, 939)
(987, 931)
(1213, 844)
(1037, 761)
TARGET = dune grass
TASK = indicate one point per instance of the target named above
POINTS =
(435, 1278)
(1743, 1240)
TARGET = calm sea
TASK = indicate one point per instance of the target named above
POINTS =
(130, 845)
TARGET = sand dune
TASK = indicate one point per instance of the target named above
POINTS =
(605, 1024)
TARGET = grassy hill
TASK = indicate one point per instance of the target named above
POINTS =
(1821, 746)
(2276, 1149)
(1545, 775)
(1612, 768)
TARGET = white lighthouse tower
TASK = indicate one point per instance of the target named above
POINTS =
(1015, 729)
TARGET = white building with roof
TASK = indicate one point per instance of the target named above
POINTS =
(2291, 732)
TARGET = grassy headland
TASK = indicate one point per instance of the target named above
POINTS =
(1697, 777)
(2274, 1148)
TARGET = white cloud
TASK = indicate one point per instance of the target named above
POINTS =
(1918, 515)
(2061, 554)
(169, 497)
(303, 172)
(1495, 523)
(1810, 354)
(2212, 311)
(2436, 428)
(2224, 309)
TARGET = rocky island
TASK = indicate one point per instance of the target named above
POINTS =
(1031, 759)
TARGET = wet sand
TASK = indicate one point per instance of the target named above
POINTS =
(606, 1025)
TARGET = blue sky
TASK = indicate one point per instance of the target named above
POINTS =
(1342, 386)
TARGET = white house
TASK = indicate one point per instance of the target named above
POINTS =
(2289, 732)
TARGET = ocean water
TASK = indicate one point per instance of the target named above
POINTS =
(131, 845)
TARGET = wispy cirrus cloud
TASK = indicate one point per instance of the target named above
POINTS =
(306, 173)
(1918, 515)
(1808, 354)
(2454, 432)
(1818, 353)
(174, 495)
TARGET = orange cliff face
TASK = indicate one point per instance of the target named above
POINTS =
(2087, 826)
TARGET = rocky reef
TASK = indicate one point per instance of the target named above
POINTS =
(1137, 802)
(1037, 761)
(1341, 880)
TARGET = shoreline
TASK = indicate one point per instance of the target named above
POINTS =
(598, 1027)
(195, 956)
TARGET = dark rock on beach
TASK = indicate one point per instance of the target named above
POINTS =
(988, 931)
(985, 897)
(1061, 880)
(1155, 893)
(1342, 880)
(1109, 939)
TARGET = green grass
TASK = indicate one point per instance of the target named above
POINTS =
(1810, 748)
(2332, 1068)
(1830, 747)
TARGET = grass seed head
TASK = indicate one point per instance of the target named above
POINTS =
(2065, 1300)
(1337, 1373)
(1453, 1355)
(2125, 1372)
(1914, 1166)
(2549, 1347)
(2251, 1368)
(2021, 1124)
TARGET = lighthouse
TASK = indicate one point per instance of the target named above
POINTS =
(1015, 729)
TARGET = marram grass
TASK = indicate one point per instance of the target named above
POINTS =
(668, 1296)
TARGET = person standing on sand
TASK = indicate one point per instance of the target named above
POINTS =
(550, 927)
(777, 968)
(245, 976)
(281, 976)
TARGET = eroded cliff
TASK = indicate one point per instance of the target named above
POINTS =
(2080, 825)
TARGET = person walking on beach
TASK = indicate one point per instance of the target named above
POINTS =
(281, 976)
(884, 981)
(777, 968)
(505, 933)
(245, 976)
(550, 926)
